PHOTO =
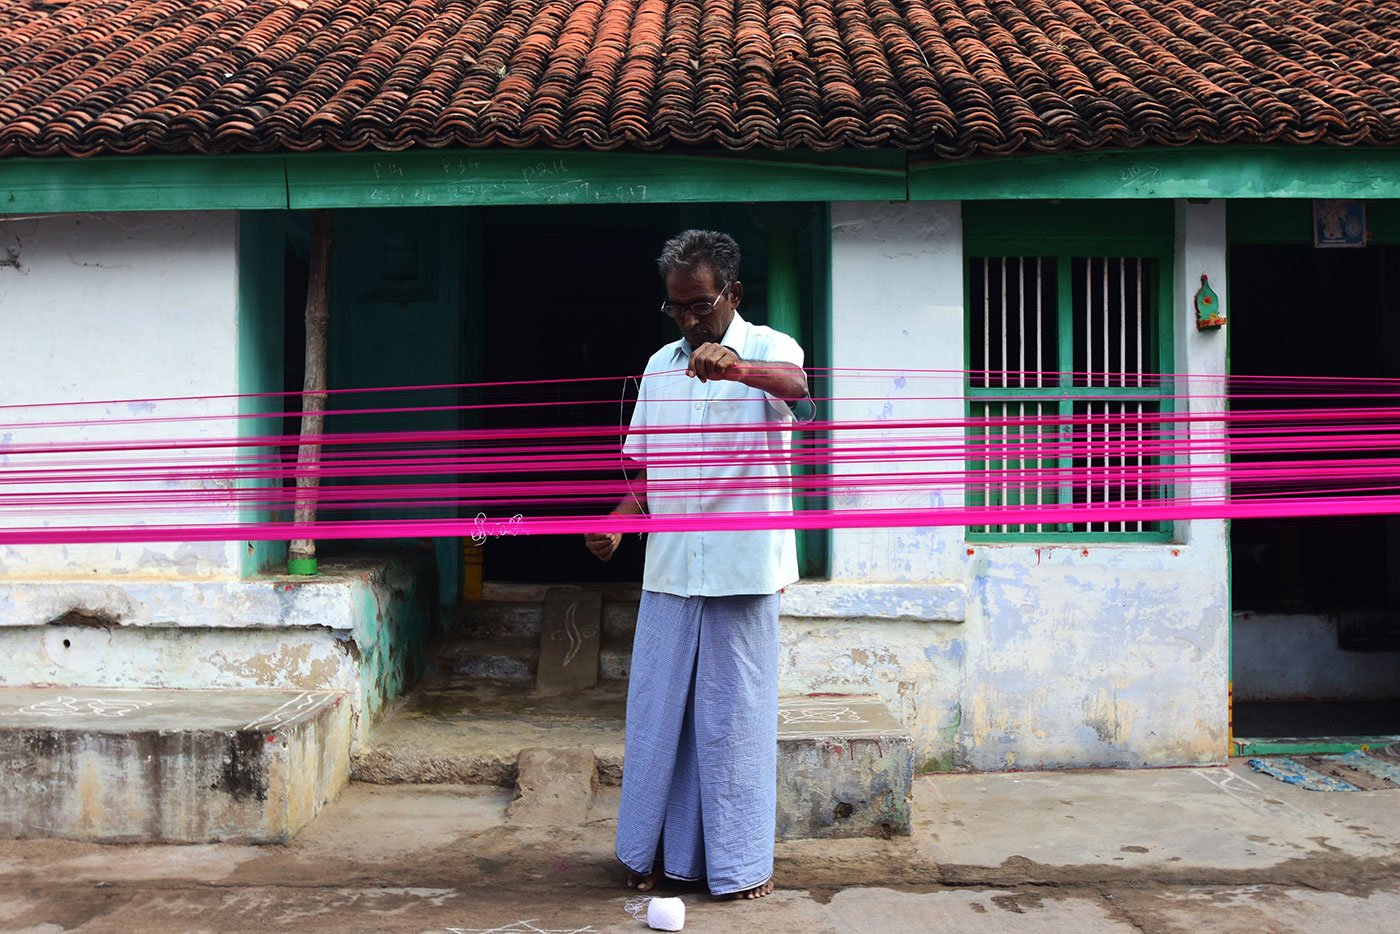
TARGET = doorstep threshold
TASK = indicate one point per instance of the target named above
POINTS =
(1308, 745)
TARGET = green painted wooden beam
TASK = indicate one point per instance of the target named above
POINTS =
(511, 177)
(1193, 172)
(142, 183)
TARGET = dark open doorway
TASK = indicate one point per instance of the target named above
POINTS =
(510, 295)
(1316, 602)
(568, 298)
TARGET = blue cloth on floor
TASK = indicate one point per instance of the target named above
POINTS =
(700, 773)
(1295, 773)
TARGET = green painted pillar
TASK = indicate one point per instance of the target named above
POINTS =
(785, 314)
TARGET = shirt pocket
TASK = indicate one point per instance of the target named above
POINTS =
(734, 410)
(738, 431)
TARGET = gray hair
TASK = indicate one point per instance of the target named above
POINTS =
(692, 248)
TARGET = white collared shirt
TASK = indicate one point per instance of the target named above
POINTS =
(703, 471)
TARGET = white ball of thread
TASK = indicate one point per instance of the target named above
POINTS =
(665, 914)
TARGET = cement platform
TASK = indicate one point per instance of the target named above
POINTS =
(845, 765)
(1209, 851)
(248, 766)
(845, 768)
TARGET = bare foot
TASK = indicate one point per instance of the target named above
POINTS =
(642, 883)
(757, 891)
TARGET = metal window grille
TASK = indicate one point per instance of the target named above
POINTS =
(1064, 391)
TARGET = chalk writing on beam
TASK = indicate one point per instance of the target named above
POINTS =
(460, 166)
(1139, 173)
(544, 170)
(558, 192)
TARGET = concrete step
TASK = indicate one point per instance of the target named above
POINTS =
(620, 620)
(497, 637)
(492, 620)
(516, 659)
(169, 766)
(497, 620)
(845, 768)
(616, 662)
(515, 611)
(502, 658)
(845, 765)
(458, 729)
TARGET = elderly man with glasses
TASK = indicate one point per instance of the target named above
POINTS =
(712, 432)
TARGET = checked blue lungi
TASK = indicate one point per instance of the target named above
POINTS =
(699, 778)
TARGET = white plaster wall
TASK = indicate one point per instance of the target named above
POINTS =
(897, 298)
(1097, 655)
(1201, 359)
(118, 307)
(896, 318)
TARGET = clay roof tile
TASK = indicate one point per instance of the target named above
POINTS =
(955, 77)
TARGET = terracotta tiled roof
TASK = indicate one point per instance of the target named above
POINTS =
(957, 77)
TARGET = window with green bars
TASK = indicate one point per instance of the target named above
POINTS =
(1067, 387)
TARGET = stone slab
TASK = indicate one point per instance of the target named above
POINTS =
(845, 768)
(570, 640)
(816, 716)
(328, 599)
(172, 766)
(554, 787)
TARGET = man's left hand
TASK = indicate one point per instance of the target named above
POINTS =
(713, 361)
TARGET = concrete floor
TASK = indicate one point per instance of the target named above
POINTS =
(1198, 850)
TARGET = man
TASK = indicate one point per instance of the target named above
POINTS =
(699, 779)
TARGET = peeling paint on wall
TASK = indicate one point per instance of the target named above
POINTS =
(1097, 655)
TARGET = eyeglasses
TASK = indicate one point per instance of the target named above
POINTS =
(698, 309)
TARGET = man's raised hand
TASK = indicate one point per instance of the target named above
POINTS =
(713, 361)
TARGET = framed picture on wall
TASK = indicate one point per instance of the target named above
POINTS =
(1338, 223)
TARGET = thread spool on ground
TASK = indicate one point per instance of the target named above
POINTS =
(665, 914)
